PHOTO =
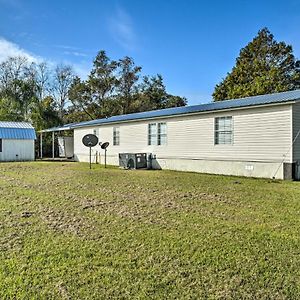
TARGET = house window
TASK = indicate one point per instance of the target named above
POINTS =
(162, 134)
(116, 136)
(0, 145)
(152, 134)
(223, 131)
(157, 134)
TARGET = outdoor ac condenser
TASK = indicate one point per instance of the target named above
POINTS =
(135, 160)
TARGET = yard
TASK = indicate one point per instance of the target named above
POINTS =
(67, 232)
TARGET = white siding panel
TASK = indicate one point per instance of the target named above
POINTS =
(260, 134)
(17, 150)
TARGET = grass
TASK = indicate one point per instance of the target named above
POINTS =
(67, 232)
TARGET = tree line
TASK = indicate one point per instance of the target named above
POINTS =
(116, 87)
(50, 96)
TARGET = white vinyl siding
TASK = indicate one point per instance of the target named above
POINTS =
(223, 131)
(260, 134)
(116, 136)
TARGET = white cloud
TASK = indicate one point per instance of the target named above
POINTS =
(72, 51)
(8, 49)
(82, 70)
(75, 53)
(121, 27)
(66, 47)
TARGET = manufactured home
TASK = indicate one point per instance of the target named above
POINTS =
(255, 136)
(16, 141)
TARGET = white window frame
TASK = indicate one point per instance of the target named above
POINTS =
(152, 135)
(225, 131)
(155, 137)
(160, 134)
(116, 136)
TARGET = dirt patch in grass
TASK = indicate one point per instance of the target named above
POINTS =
(67, 232)
(61, 221)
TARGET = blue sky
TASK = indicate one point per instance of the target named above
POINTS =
(193, 44)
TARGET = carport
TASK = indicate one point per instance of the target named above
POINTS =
(65, 141)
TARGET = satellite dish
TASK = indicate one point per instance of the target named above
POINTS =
(104, 145)
(90, 140)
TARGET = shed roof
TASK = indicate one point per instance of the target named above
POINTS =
(246, 102)
(17, 130)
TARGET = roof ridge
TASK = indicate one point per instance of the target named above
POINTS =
(257, 96)
(16, 125)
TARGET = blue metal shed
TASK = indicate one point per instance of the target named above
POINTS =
(16, 141)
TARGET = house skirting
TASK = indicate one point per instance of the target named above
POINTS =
(237, 168)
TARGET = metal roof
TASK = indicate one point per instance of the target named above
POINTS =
(17, 130)
(246, 102)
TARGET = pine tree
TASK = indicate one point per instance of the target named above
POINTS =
(264, 66)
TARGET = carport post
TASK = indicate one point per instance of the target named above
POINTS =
(41, 145)
(53, 145)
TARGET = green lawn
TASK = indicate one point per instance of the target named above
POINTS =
(70, 233)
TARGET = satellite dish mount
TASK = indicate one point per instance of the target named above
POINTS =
(90, 140)
(104, 146)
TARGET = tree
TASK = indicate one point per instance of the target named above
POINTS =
(27, 97)
(45, 114)
(81, 97)
(175, 101)
(153, 95)
(91, 96)
(102, 78)
(24, 93)
(127, 83)
(63, 78)
(110, 88)
(41, 74)
(12, 70)
(264, 66)
(9, 110)
(17, 89)
(114, 88)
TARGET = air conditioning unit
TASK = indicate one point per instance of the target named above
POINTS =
(135, 160)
